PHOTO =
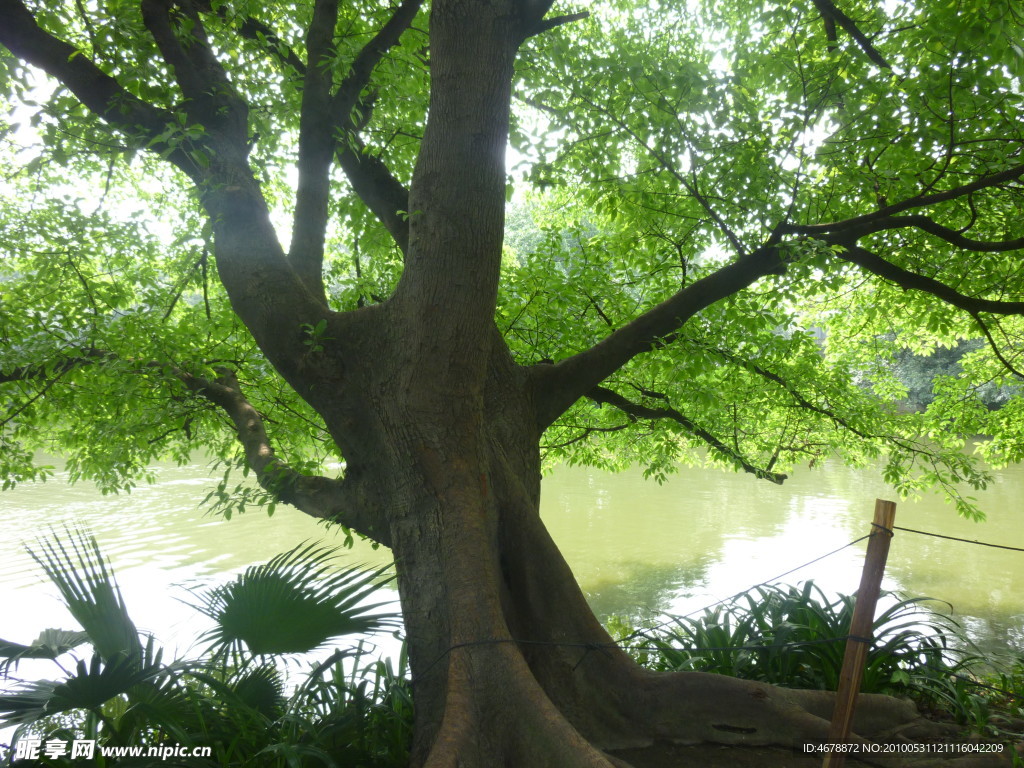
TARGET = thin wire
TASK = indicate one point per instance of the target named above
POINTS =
(764, 583)
(588, 647)
(954, 538)
(697, 651)
(640, 632)
(766, 647)
(604, 647)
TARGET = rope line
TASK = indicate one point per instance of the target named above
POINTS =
(697, 651)
(764, 583)
(604, 647)
(954, 538)
(588, 647)
(889, 531)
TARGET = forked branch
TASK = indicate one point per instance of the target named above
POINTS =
(210, 99)
(832, 17)
(372, 181)
(558, 386)
(252, 28)
(142, 122)
(316, 150)
(328, 114)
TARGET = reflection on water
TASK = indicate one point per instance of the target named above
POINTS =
(640, 549)
(637, 548)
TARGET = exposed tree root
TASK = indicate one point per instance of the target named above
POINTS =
(685, 713)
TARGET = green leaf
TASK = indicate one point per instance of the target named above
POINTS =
(87, 586)
(50, 644)
(293, 604)
(88, 687)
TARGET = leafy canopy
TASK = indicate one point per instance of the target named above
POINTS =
(875, 146)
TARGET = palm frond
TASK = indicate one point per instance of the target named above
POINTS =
(50, 644)
(88, 687)
(261, 689)
(293, 604)
(87, 585)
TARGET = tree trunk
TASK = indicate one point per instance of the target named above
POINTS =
(510, 666)
(438, 426)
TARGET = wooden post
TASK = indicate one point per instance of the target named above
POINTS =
(860, 630)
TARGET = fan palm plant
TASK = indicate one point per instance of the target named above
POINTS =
(75, 565)
(294, 603)
(232, 700)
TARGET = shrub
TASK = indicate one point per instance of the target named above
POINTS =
(795, 636)
(236, 699)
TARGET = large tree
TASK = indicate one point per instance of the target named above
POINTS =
(741, 213)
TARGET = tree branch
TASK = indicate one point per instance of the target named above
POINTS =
(98, 91)
(798, 398)
(346, 501)
(254, 29)
(385, 196)
(316, 150)
(951, 236)
(156, 14)
(546, 25)
(358, 77)
(690, 185)
(349, 502)
(371, 180)
(42, 371)
(995, 347)
(323, 117)
(864, 222)
(913, 281)
(558, 386)
(832, 16)
(52, 377)
(210, 99)
(588, 431)
(603, 395)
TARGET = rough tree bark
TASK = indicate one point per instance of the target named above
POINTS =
(438, 426)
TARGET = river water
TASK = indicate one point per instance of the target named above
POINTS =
(638, 549)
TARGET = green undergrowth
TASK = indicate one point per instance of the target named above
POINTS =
(795, 636)
(253, 702)
(251, 697)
